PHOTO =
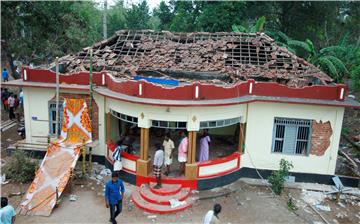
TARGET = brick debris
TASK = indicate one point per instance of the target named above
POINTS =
(220, 58)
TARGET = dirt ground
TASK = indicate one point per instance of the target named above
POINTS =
(248, 204)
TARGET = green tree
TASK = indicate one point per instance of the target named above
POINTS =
(137, 17)
(164, 14)
(116, 17)
(35, 31)
(219, 16)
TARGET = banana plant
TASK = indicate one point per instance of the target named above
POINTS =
(327, 58)
(257, 27)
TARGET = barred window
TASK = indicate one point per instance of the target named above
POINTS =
(52, 117)
(291, 136)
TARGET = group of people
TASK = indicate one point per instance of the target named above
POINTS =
(115, 195)
(11, 102)
(164, 154)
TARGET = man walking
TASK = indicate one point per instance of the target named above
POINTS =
(11, 103)
(158, 163)
(7, 212)
(113, 198)
(5, 75)
(168, 145)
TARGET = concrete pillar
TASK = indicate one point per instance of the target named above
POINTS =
(108, 127)
(191, 166)
(242, 138)
(143, 167)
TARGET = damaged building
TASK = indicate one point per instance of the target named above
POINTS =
(260, 103)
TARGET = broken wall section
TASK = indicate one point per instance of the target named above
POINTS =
(320, 137)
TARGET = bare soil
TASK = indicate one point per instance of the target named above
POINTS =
(248, 204)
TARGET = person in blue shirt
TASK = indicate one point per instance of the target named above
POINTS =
(7, 212)
(113, 198)
(5, 75)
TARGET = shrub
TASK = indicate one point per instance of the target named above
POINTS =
(277, 178)
(20, 168)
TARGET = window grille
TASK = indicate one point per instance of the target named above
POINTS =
(52, 117)
(124, 117)
(219, 123)
(169, 124)
(291, 136)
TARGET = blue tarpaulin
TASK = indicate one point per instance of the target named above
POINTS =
(159, 81)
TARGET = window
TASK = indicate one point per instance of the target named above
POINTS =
(291, 136)
(219, 123)
(52, 117)
(169, 124)
(124, 117)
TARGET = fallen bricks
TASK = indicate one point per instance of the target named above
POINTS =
(236, 56)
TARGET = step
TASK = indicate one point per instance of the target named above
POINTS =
(156, 208)
(166, 189)
(149, 196)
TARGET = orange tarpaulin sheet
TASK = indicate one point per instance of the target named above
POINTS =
(59, 161)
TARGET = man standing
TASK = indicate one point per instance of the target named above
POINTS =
(7, 212)
(211, 216)
(11, 103)
(5, 75)
(113, 199)
(168, 145)
(182, 154)
(158, 163)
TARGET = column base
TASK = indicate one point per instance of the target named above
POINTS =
(143, 167)
(191, 171)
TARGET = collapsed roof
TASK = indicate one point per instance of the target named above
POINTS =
(221, 58)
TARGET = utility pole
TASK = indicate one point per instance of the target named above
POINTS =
(104, 20)
(57, 98)
(91, 105)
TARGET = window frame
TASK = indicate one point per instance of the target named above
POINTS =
(219, 123)
(292, 122)
(169, 124)
(124, 117)
(52, 108)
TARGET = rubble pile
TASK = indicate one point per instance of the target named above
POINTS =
(225, 58)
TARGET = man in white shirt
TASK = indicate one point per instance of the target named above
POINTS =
(11, 102)
(158, 163)
(212, 216)
(168, 145)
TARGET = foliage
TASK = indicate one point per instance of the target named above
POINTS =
(277, 178)
(291, 205)
(257, 27)
(116, 19)
(137, 17)
(20, 168)
(326, 58)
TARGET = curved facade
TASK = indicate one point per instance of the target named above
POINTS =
(315, 112)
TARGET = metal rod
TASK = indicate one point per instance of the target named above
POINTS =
(91, 85)
(83, 150)
(57, 98)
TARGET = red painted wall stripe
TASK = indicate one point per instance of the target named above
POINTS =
(187, 92)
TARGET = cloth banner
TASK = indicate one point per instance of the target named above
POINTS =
(59, 161)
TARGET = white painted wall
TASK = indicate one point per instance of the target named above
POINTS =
(36, 104)
(259, 131)
(259, 118)
(36, 101)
